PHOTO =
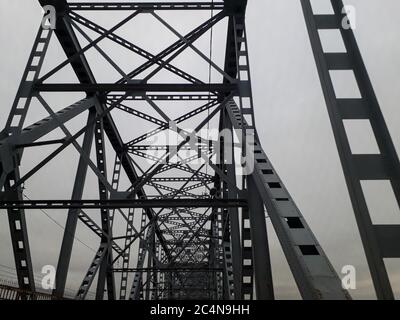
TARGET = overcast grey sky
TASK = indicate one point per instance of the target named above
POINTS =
(291, 118)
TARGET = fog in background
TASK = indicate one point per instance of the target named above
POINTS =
(291, 117)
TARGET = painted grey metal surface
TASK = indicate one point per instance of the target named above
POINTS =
(191, 244)
(358, 167)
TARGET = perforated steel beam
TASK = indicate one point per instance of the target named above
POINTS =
(357, 167)
(199, 244)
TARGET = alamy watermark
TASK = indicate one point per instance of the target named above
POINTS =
(349, 279)
(180, 146)
(49, 276)
(49, 20)
(349, 21)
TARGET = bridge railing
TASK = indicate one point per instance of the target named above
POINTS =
(13, 293)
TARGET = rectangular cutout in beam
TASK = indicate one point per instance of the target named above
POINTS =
(322, 7)
(361, 137)
(309, 250)
(381, 201)
(332, 41)
(345, 84)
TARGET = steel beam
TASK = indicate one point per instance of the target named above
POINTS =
(232, 230)
(259, 243)
(187, 252)
(385, 164)
(315, 276)
(80, 65)
(117, 6)
(105, 274)
(48, 124)
(72, 218)
(123, 203)
(135, 88)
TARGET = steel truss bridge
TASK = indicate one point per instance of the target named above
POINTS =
(193, 227)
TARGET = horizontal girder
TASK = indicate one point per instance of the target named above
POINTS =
(125, 203)
(84, 6)
(136, 88)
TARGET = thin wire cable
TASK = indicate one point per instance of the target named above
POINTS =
(62, 227)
